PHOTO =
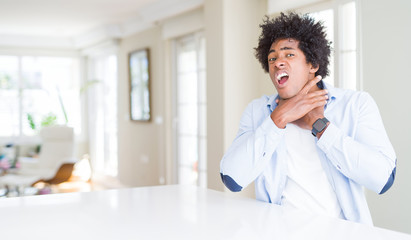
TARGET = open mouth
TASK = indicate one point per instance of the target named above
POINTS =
(282, 78)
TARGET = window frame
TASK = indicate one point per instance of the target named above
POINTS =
(195, 36)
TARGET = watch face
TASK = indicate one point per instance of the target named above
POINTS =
(319, 125)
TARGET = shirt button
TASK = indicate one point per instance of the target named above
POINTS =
(263, 154)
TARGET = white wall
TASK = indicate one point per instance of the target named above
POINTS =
(386, 51)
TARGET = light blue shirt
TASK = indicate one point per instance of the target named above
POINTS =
(354, 151)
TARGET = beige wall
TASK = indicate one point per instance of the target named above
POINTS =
(233, 74)
(243, 74)
(386, 60)
(145, 148)
(140, 144)
(213, 18)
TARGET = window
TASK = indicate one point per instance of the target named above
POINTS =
(327, 17)
(190, 111)
(44, 88)
(348, 47)
(102, 109)
(339, 18)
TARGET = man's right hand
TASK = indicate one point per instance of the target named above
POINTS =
(292, 109)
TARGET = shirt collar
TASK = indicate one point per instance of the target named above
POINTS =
(271, 104)
(332, 95)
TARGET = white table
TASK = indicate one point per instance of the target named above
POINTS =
(168, 212)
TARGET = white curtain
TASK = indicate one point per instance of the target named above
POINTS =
(102, 113)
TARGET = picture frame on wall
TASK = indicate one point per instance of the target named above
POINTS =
(139, 74)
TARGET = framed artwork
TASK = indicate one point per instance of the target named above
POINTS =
(139, 72)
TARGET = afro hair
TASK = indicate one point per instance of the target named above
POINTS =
(310, 34)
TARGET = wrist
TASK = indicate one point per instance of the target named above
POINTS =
(313, 118)
(279, 121)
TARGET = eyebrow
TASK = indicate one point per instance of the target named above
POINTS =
(284, 48)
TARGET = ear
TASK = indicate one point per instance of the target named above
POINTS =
(314, 68)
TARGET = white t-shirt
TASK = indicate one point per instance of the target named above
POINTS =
(307, 186)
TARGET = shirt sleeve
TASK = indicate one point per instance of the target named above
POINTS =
(367, 157)
(251, 150)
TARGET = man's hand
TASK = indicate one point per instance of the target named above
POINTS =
(307, 121)
(302, 109)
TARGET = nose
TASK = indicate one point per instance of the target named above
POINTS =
(280, 63)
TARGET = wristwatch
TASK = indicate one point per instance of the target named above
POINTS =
(319, 125)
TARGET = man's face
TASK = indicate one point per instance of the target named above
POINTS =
(288, 67)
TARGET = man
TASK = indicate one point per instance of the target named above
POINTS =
(311, 146)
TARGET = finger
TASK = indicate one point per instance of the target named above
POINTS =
(314, 100)
(313, 105)
(319, 99)
(311, 84)
(320, 103)
(318, 93)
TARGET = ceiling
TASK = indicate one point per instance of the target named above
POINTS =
(71, 21)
